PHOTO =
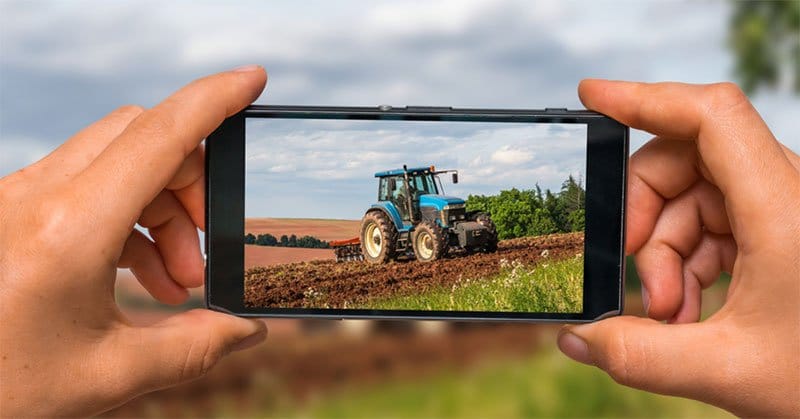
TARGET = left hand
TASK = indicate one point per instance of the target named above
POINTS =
(67, 223)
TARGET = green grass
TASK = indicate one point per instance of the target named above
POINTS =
(554, 287)
(545, 385)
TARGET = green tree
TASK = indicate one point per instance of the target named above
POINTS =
(577, 220)
(765, 39)
(533, 212)
(572, 194)
(249, 238)
(541, 223)
(266, 240)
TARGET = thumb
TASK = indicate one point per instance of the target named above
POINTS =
(185, 346)
(645, 354)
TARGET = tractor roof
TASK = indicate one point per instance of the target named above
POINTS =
(397, 172)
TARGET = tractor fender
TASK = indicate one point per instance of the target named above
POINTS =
(390, 212)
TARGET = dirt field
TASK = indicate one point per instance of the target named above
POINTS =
(352, 283)
(322, 229)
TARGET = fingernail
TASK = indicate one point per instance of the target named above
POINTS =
(250, 341)
(574, 347)
(246, 68)
(645, 300)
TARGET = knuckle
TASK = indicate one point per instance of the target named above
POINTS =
(722, 97)
(200, 358)
(616, 360)
(129, 110)
(48, 222)
(154, 125)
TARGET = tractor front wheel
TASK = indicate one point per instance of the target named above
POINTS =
(378, 237)
(429, 241)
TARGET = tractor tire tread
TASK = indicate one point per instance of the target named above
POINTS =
(439, 236)
(388, 236)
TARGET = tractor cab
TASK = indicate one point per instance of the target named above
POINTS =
(409, 195)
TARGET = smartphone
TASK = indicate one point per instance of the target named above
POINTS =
(416, 213)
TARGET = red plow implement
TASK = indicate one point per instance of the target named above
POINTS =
(347, 250)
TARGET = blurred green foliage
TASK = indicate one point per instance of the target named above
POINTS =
(765, 39)
(533, 212)
(548, 287)
(544, 385)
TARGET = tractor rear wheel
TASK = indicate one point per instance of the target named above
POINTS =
(378, 237)
(429, 242)
(485, 220)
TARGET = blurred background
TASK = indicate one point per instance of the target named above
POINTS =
(66, 64)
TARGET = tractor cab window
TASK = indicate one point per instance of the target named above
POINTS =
(397, 194)
(383, 189)
(422, 184)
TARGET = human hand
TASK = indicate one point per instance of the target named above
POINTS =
(714, 191)
(66, 224)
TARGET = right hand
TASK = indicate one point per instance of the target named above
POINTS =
(714, 191)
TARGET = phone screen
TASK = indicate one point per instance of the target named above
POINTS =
(438, 216)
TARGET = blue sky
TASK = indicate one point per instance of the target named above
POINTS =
(65, 64)
(325, 169)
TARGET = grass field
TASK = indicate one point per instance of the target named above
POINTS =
(554, 287)
(544, 385)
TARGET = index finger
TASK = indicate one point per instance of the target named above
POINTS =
(137, 165)
(742, 156)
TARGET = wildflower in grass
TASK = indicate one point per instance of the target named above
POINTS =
(313, 297)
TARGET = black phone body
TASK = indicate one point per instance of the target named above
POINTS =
(606, 154)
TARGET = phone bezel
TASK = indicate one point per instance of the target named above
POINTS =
(606, 172)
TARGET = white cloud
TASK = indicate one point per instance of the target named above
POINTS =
(507, 155)
(342, 156)
(73, 61)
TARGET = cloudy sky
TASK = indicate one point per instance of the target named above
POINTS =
(65, 64)
(325, 169)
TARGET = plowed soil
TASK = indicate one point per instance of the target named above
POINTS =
(336, 285)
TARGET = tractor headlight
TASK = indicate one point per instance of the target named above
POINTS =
(454, 207)
(453, 212)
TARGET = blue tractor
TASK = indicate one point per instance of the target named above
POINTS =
(413, 217)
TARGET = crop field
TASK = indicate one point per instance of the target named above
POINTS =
(542, 266)
(255, 256)
(322, 229)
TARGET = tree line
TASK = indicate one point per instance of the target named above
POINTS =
(533, 212)
(309, 242)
